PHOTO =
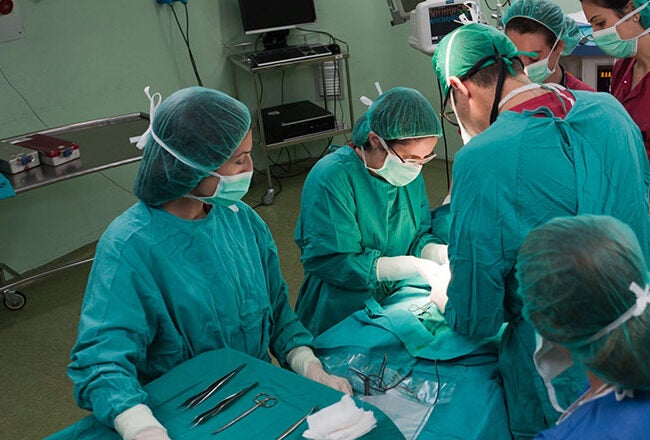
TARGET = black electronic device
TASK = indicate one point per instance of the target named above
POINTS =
(275, 17)
(296, 119)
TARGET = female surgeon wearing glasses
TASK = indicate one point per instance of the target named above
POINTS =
(540, 27)
(364, 215)
(188, 269)
(620, 29)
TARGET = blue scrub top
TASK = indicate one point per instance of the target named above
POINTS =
(606, 418)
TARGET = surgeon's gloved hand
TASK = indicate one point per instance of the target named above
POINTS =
(303, 361)
(138, 423)
(403, 267)
(438, 293)
(436, 253)
(316, 373)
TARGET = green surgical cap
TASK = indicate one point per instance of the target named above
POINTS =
(645, 14)
(550, 15)
(399, 113)
(461, 49)
(574, 275)
(201, 126)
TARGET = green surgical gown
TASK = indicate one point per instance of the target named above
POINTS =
(348, 219)
(519, 173)
(163, 290)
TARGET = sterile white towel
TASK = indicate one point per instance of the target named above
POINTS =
(340, 421)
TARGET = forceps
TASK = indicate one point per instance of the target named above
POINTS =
(262, 399)
(225, 403)
(293, 427)
(210, 390)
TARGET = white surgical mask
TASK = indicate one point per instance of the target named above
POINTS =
(610, 41)
(229, 190)
(539, 71)
(393, 170)
(464, 134)
(551, 360)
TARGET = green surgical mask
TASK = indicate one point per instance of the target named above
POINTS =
(610, 41)
(539, 71)
(229, 190)
(393, 170)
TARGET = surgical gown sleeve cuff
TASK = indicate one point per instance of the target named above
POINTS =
(134, 420)
(300, 358)
(436, 253)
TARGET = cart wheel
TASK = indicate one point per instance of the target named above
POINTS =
(14, 300)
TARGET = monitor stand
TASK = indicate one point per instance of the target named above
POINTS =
(275, 39)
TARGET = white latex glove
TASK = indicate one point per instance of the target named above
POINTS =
(303, 361)
(439, 283)
(403, 267)
(152, 434)
(436, 253)
(138, 423)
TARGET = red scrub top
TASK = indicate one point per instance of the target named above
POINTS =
(636, 101)
(571, 82)
(549, 100)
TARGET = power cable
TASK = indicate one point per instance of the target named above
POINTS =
(444, 136)
(186, 39)
(29, 106)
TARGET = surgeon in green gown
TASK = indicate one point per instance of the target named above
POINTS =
(531, 153)
(364, 222)
(188, 269)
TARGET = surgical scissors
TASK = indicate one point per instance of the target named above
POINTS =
(225, 403)
(211, 389)
(262, 399)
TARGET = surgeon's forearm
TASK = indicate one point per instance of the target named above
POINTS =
(346, 270)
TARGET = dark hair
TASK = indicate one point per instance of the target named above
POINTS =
(488, 76)
(524, 25)
(618, 6)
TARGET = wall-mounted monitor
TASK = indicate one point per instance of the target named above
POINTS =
(431, 20)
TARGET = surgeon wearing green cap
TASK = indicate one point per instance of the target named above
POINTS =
(586, 289)
(532, 153)
(364, 213)
(540, 27)
(188, 269)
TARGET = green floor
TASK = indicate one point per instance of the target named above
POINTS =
(35, 393)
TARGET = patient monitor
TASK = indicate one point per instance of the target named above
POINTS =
(431, 20)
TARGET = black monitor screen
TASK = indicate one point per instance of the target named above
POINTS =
(266, 15)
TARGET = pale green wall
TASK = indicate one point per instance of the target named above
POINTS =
(81, 60)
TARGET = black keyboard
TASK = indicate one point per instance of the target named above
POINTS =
(289, 53)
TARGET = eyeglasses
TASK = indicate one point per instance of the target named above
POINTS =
(448, 115)
(413, 161)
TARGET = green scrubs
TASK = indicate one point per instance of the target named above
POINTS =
(163, 290)
(348, 219)
(519, 173)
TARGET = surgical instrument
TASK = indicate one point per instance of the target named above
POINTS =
(262, 399)
(376, 381)
(421, 310)
(225, 403)
(293, 427)
(211, 389)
